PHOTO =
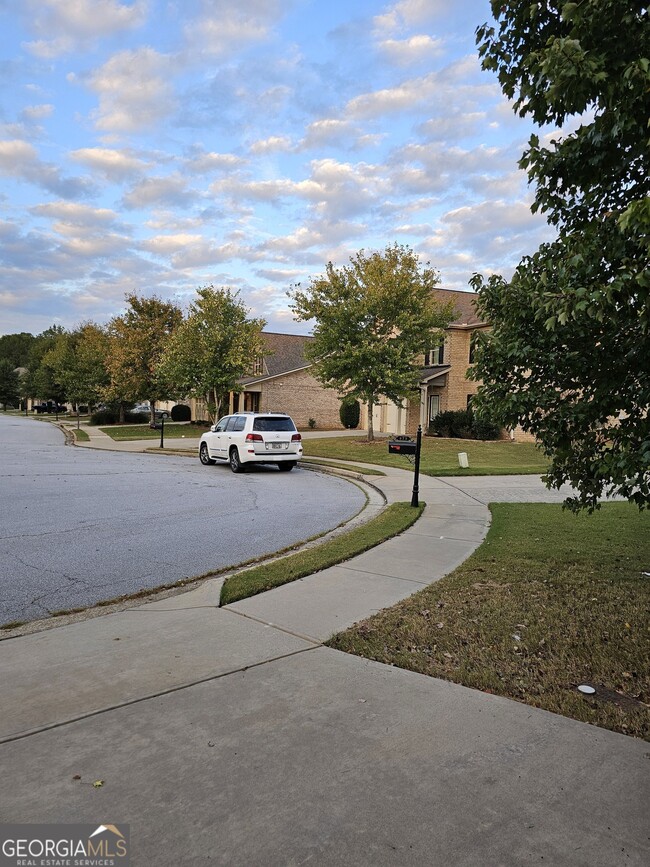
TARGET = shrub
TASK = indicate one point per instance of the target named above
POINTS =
(312, 423)
(462, 424)
(181, 412)
(485, 429)
(104, 416)
(109, 416)
(350, 413)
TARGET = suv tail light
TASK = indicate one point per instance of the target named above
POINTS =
(254, 438)
(295, 438)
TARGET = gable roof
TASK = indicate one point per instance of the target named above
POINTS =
(283, 353)
(464, 308)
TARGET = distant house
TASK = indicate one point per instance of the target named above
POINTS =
(280, 381)
(442, 377)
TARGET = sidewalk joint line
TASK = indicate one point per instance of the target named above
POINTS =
(268, 623)
(169, 691)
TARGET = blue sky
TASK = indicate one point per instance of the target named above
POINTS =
(158, 147)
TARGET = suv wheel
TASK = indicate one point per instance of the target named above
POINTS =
(204, 455)
(235, 464)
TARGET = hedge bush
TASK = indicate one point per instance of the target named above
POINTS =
(181, 412)
(350, 413)
(462, 424)
(110, 416)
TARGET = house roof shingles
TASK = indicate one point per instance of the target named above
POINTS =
(286, 352)
(464, 308)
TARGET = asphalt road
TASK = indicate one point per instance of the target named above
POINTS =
(78, 526)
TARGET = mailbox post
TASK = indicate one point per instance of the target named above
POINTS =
(162, 432)
(416, 473)
(403, 445)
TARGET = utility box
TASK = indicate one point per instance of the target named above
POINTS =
(463, 460)
(405, 446)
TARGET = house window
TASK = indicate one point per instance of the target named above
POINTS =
(473, 340)
(435, 356)
(434, 406)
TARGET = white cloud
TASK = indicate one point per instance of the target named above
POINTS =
(32, 113)
(415, 49)
(328, 131)
(116, 165)
(73, 25)
(226, 27)
(73, 213)
(408, 13)
(169, 191)
(275, 143)
(134, 89)
(19, 159)
(204, 163)
(164, 245)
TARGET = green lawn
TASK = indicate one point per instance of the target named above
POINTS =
(392, 520)
(173, 430)
(550, 600)
(439, 457)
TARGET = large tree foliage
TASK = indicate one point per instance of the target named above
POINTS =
(213, 348)
(9, 384)
(373, 318)
(568, 357)
(15, 348)
(78, 361)
(138, 339)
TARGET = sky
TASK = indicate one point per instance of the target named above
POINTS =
(157, 147)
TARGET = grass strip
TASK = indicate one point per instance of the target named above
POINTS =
(393, 520)
(439, 457)
(80, 435)
(366, 471)
(549, 601)
(172, 430)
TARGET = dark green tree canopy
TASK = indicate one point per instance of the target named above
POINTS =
(9, 383)
(373, 318)
(569, 354)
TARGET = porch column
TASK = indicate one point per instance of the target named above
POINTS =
(240, 401)
(424, 410)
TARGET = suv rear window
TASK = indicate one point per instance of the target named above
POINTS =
(270, 424)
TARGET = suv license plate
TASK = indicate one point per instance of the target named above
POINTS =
(278, 445)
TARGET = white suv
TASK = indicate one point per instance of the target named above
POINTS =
(252, 437)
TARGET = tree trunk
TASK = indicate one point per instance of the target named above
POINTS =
(371, 430)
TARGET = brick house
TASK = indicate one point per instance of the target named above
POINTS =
(442, 382)
(281, 382)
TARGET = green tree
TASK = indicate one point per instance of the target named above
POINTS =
(373, 318)
(568, 356)
(9, 383)
(15, 348)
(213, 348)
(138, 339)
(78, 361)
(41, 380)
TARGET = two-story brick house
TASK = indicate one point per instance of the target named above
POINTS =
(442, 377)
(281, 380)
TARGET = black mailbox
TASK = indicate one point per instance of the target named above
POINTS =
(401, 446)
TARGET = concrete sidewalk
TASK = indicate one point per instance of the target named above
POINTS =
(232, 736)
